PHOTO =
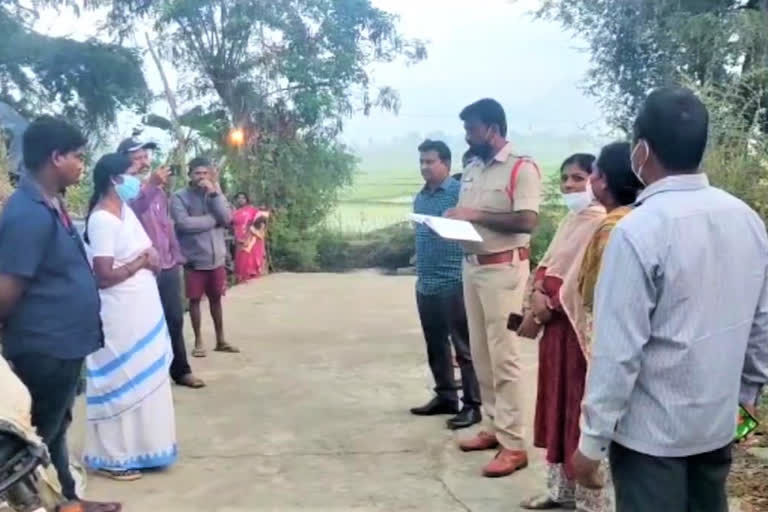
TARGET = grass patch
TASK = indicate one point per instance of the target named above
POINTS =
(382, 186)
(376, 201)
(356, 219)
(376, 208)
(379, 199)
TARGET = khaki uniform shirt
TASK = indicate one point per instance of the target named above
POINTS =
(487, 187)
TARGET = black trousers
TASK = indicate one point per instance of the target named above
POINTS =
(444, 320)
(169, 284)
(53, 384)
(680, 484)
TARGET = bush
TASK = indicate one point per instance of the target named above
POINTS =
(5, 187)
(5, 178)
(77, 198)
(551, 213)
(323, 249)
(736, 158)
(389, 248)
(291, 249)
(298, 179)
(333, 251)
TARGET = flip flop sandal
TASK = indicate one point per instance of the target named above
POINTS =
(542, 503)
(90, 506)
(128, 475)
(226, 347)
(199, 352)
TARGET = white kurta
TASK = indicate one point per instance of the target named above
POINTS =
(131, 422)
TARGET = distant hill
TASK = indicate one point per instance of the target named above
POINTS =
(400, 153)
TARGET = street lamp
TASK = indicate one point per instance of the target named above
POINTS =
(237, 137)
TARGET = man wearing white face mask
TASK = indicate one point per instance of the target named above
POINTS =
(500, 195)
(681, 324)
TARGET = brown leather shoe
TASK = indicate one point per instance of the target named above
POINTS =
(482, 441)
(505, 463)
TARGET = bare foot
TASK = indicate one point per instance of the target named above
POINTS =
(191, 381)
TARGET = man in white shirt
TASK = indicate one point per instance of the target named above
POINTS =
(681, 324)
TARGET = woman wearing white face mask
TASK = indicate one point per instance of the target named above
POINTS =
(130, 415)
(562, 366)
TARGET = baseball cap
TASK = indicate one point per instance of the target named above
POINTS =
(132, 144)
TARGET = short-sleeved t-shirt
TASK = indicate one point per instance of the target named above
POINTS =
(58, 314)
(123, 239)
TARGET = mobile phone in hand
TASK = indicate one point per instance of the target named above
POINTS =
(514, 321)
(746, 424)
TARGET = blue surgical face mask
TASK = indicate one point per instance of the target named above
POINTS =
(129, 189)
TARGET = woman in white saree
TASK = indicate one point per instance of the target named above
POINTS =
(131, 424)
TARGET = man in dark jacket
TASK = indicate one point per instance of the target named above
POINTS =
(202, 216)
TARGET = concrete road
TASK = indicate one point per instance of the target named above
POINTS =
(313, 415)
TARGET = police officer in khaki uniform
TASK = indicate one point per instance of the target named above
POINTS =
(500, 195)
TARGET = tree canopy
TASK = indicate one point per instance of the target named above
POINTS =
(285, 72)
(637, 45)
(86, 81)
(307, 58)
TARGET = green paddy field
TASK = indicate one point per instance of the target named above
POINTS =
(375, 200)
(378, 199)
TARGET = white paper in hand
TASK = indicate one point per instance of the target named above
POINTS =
(450, 229)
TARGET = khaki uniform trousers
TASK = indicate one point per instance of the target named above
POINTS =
(491, 293)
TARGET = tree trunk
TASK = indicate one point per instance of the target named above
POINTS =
(180, 151)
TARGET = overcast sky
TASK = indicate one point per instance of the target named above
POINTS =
(479, 48)
(483, 48)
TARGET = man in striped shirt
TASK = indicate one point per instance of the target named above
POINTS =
(681, 324)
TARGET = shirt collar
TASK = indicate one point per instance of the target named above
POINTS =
(443, 185)
(504, 154)
(676, 183)
(56, 204)
(34, 190)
